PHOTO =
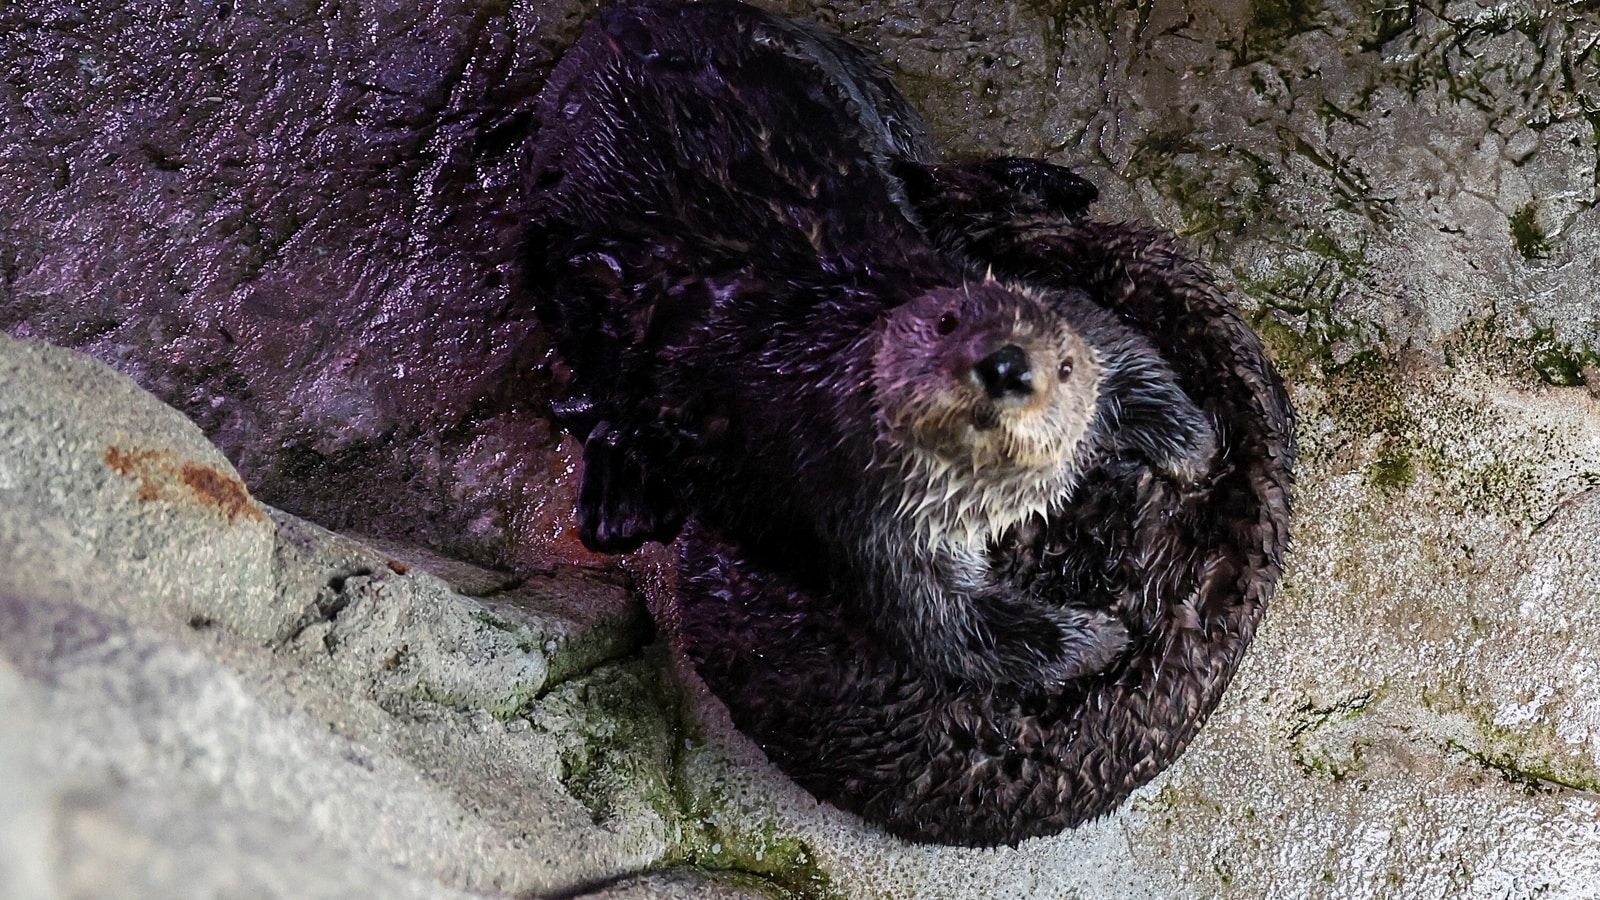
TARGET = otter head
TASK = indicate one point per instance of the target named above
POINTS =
(988, 399)
(987, 378)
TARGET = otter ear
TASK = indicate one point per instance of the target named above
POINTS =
(623, 500)
(1145, 413)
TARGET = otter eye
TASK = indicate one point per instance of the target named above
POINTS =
(1065, 369)
(948, 323)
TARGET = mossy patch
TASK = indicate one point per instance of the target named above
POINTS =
(1365, 396)
(622, 731)
(750, 884)
(1541, 355)
(1532, 774)
(1223, 870)
(511, 705)
(1530, 239)
(1173, 805)
(1220, 192)
(723, 841)
(1404, 424)
(1523, 755)
(619, 725)
(1394, 468)
(1388, 20)
(1319, 742)
(1270, 24)
(713, 832)
(1299, 297)
(1281, 18)
(725, 835)
(1559, 363)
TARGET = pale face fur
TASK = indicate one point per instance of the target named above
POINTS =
(972, 464)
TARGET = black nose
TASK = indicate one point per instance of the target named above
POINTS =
(1005, 372)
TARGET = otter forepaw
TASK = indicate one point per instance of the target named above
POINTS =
(1061, 190)
(1090, 641)
(956, 195)
(1149, 415)
(1032, 646)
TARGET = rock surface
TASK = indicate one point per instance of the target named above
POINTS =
(301, 237)
(211, 698)
(182, 189)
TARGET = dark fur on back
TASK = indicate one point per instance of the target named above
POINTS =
(718, 239)
(707, 273)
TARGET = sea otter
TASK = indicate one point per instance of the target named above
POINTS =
(1189, 571)
(761, 335)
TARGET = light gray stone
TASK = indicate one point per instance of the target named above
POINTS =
(101, 485)
(307, 717)
(25, 820)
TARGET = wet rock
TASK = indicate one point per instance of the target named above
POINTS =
(292, 223)
(302, 237)
(205, 698)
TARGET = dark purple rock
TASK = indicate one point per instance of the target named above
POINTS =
(292, 222)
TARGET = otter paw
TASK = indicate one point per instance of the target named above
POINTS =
(1019, 644)
(1149, 415)
(1090, 641)
(1062, 191)
(622, 501)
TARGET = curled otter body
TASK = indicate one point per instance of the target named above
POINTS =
(747, 252)
(1189, 570)
(761, 337)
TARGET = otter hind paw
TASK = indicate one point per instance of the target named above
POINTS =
(622, 502)
(1062, 191)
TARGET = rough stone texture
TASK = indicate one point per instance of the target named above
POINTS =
(289, 220)
(24, 810)
(300, 236)
(214, 701)
(103, 484)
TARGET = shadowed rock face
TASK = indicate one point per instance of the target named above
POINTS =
(290, 223)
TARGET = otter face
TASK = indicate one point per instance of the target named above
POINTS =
(987, 379)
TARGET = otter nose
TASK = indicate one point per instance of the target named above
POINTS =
(1005, 372)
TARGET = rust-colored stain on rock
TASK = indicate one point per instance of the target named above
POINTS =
(163, 476)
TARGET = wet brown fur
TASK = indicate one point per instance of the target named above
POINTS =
(730, 215)
(727, 267)
(1189, 570)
